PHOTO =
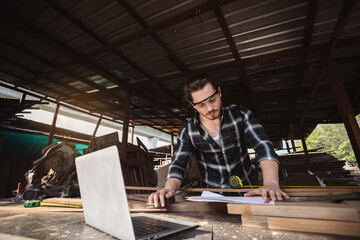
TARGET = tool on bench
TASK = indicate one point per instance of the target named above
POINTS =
(37, 203)
(235, 182)
(28, 204)
(167, 202)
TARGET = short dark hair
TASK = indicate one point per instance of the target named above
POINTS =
(196, 83)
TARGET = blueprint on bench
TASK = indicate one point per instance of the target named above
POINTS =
(214, 197)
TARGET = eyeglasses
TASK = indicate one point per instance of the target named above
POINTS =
(212, 98)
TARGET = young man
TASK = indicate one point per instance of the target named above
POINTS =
(217, 134)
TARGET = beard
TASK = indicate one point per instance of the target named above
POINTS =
(212, 115)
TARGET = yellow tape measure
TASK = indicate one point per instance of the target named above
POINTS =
(235, 182)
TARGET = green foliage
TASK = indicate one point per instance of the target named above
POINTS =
(332, 138)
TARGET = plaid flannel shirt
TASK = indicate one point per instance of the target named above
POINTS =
(218, 163)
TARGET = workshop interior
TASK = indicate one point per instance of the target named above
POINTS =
(122, 64)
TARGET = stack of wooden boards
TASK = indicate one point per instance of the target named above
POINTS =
(316, 217)
(137, 166)
(321, 166)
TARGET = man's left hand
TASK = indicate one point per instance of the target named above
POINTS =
(268, 192)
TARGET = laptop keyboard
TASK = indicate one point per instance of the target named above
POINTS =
(142, 228)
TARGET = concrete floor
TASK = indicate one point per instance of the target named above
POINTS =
(68, 223)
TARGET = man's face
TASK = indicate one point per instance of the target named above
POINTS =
(207, 101)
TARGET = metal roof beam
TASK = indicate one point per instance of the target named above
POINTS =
(205, 7)
(340, 25)
(33, 72)
(90, 32)
(253, 60)
(171, 55)
(285, 92)
(339, 28)
(173, 58)
(67, 98)
(68, 106)
(225, 28)
(202, 8)
(61, 49)
(310, 21)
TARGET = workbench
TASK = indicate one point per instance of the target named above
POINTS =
(68, 223)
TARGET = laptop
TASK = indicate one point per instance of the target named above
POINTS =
(105, 203)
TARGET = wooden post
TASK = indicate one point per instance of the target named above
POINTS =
(172, 146)
(92, 139)
(344, 105)
(287, 146)
(53, 126)
(293, 145)
(301, 131)
(126, 119)
(132, 134)
(22, 99)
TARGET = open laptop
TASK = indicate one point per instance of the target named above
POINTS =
(105, 203)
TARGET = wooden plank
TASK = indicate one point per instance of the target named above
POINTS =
(328, 203)
(292, 192)
(71, 201)
(182, 206)
(148, 210)
(14, 237)
(287, 189)
(315, 226)
(294, 211)
(352, 203)
(254, 221)
(197, 207)
(20, 208)
(302, 225)
(137, 197)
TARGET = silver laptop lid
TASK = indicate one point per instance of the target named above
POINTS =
(103, 194)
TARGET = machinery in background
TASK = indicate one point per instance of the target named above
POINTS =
(53, 175)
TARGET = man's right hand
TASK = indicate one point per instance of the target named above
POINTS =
(160, 195)
(171, 185)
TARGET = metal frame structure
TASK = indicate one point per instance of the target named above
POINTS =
(293, 63)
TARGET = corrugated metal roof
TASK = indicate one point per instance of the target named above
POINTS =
(88, 53)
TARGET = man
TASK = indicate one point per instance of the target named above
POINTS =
(217, 134)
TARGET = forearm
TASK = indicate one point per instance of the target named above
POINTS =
(270, 170)
(173, 184)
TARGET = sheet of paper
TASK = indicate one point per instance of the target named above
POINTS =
(214, 197)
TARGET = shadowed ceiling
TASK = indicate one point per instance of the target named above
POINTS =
(267, 56)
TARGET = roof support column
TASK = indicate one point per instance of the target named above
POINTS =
(22, 99)
(132, 134)
(287, 145)
(172, 145)
(92, 139)
(293, 144)
(301, 132)
(344, 105)
(53, 126)
(126, 119)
